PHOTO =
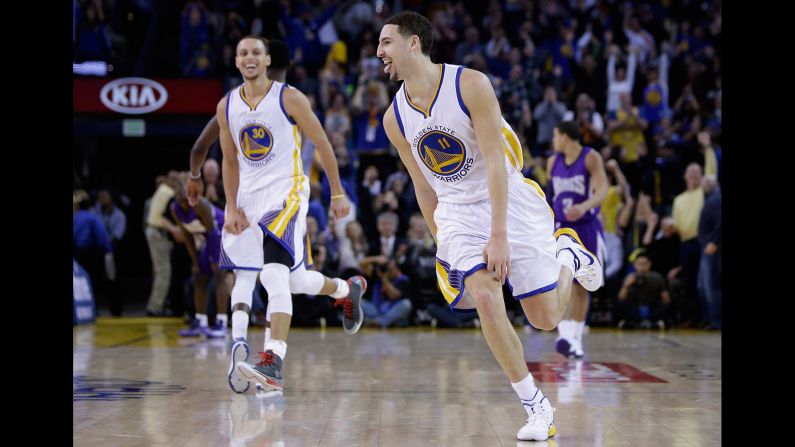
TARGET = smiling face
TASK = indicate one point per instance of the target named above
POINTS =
(252, 58)
(405, 38)
(393, 50)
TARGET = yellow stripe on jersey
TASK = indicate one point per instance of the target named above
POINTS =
(279, 224)
(448, 291)
(518, 158)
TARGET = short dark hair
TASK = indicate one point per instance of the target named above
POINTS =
(569, 128)
(261, 39)
(410, 23)
(280, 54)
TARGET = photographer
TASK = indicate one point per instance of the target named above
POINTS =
(389, 303)
(644, 297)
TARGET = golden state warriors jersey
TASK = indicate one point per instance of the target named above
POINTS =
(268, 141)
(443, 141)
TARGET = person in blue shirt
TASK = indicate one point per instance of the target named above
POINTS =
(91, 246)
(389, 304)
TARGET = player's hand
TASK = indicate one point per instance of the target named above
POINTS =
(497, 257)
(235, 221)
(194, 189)
(340, 207)
(575, 212)
(611, 165)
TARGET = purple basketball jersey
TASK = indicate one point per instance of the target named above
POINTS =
(571, 185)
(189, 215)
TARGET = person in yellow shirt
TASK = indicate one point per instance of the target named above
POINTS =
(686, 213)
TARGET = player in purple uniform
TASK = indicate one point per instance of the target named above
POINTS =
(205, 220)
(578, 186)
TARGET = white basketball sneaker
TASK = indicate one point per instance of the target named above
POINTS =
(587, 268)
(540, 424)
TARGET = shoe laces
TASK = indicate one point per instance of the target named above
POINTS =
(536, 410)
(266, 358)
(347, 307)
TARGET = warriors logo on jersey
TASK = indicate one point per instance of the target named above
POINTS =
(256, 141)
(441, 152)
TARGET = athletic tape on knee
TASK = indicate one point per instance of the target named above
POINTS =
(276, 279)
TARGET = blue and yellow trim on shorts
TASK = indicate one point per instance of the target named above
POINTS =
(451, 283)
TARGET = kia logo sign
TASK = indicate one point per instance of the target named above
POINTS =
(133, 96)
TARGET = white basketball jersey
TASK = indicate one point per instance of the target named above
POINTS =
(443, 141)
(268, 141)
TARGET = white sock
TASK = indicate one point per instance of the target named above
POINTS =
(343, 289)
(202, 319)
(267, 322)
(578, 327)
(527, 390)
(564, 330)
(279, 347)
(239, 324)
(222, 318)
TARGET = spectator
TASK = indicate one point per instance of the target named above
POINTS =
(620, 79)
(213, 185)
(353, 249)
(92, 248)
(194, 37)
(388, 246)
(709, 238)
(643, 298)
(515, 101)
(158, 228)
(337, 118)
(591, 123)
(708, 152)
(370, 142)
(547, 115)
(115, 223)
(637, 36)
(93, 40)
(664, 252)
(306, 84)
(590, 80)
(469, 46)
(389, 303)
(655, 95)
(112, 216)
(687, 212)
(686, 117)
(625, 129)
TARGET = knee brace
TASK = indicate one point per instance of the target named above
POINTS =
(245, 282)
(276, 280)
(306, 282)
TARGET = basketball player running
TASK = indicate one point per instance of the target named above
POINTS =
(207, 220)
(464, 160)
(578, 187)
(246, 279)
(260, 124)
